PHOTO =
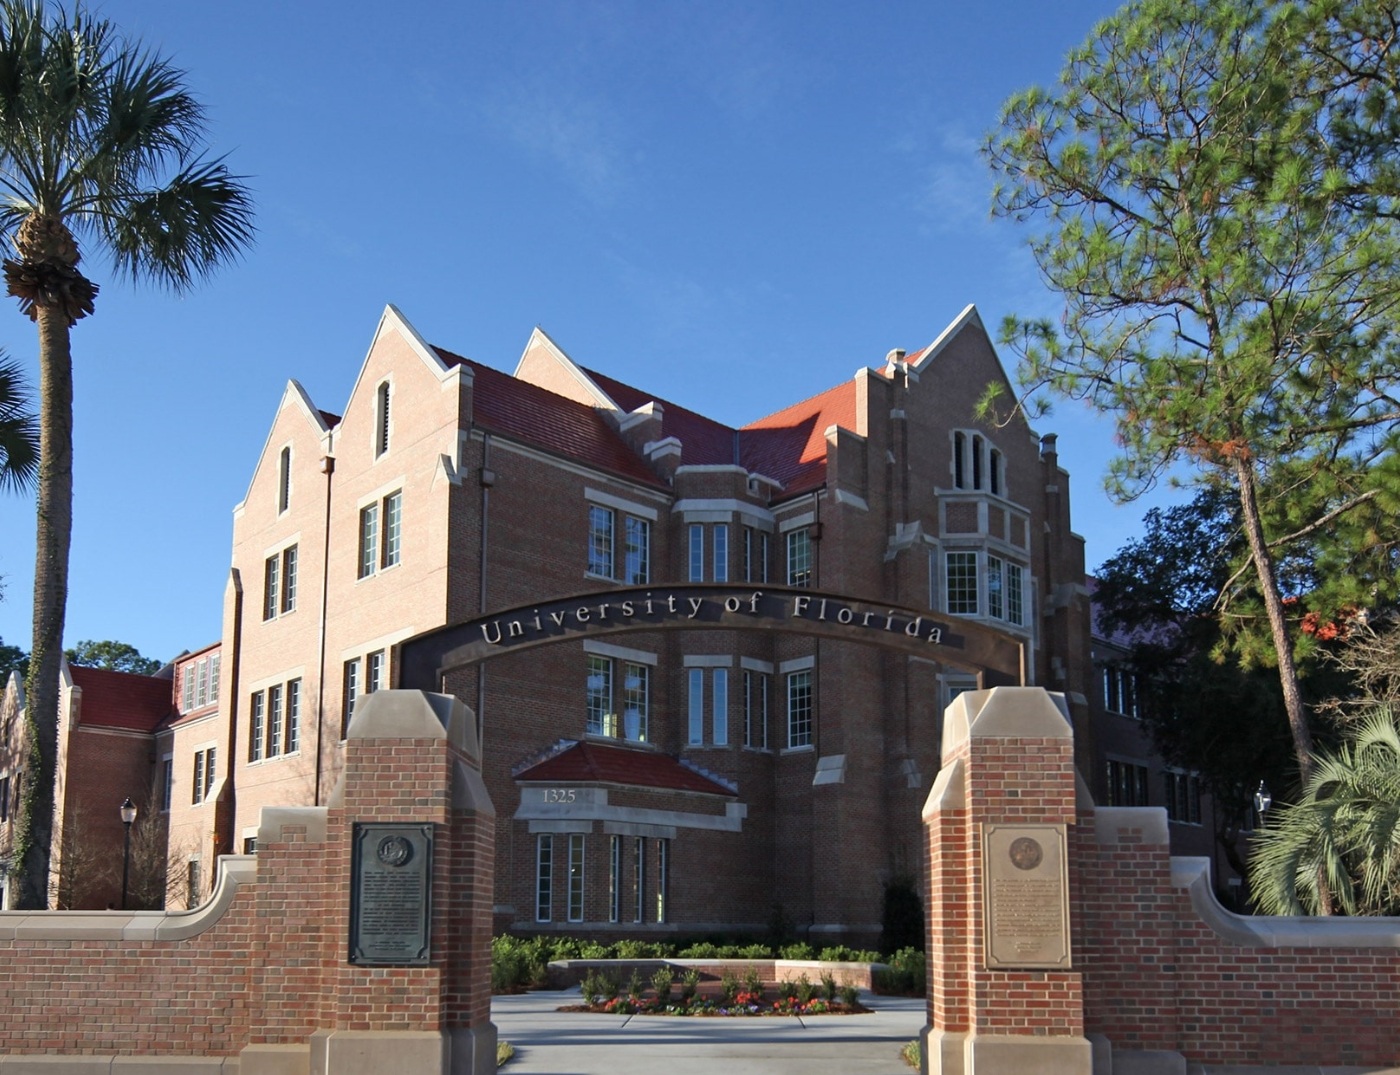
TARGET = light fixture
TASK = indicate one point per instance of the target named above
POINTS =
(1262, 801)
(128, 812)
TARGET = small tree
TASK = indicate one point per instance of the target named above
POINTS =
(116, 656)
(1341, 841)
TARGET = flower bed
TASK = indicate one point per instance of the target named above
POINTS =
(729, 997)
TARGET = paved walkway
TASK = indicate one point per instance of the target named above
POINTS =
(551, 1042)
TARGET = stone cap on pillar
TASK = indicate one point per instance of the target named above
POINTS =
(1004, 713)
(408, 714)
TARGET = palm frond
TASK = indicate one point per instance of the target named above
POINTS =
(19, 430)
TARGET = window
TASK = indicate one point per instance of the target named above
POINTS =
(250, 845)
(965, 572)
(1120, 694)
(293, 740)
(381, 420)
(203, 775)
(956, 685)
(374, 680)
(960, 583)
(755, 555)
(1127, 784)
(663, 869)
(602, 546)
(4, 798)
(719, 700)
(393, 533)
(213, 660)
(256, 726)
(544, 877)
(381, 546)
(600, 541)
(576, 877)
(755, 709)
(369, 539)
(976, 464)
(271, 568)
(721, 551)
(601, 717)
(639, 864)
(799, 708)
(601, 720)
(1183, 794)
(697, 552)
(167, 782)
(274, 721)
(799, 558)
(284, 480)
(614, 878)
(187, 678)
(350, 692)
(289, 578)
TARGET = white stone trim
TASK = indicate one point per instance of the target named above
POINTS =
(695, 660)
(621, 653)
(797, 664)
(607, 500)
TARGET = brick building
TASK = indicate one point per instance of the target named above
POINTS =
(679, 780)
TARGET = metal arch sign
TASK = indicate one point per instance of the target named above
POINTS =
(424, 660)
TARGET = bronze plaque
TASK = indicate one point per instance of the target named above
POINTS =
(391, 894)
(1026, 896)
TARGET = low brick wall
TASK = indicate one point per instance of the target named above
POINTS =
(1166, 968)
(258, 980)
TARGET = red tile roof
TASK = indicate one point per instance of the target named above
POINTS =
(593, 763)
(791, 444)
(121, 699)
(523, 411)
(704, 442)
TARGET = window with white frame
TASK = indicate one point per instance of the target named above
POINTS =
(167, 782)
(576, 888)
(629, 562)
(203, 781)
(350, 691)
(799, 558)
(755, 554)
(1183, 796)
(980, 583)
(544, 877)
(292, 742)
(257, 725)
(663, 877)
(755, 709)
(639, 876)
(604, 674)
(715, 671)
(800, 708)
(381, 534)
(274, 720)
(614, 878)
(280, 583)
(720, 560)
(696, 556)
(956, 685)
(374, 672)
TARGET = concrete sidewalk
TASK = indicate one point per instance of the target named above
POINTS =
(551, 1042)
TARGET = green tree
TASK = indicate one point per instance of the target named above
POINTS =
(1216, 183)
(1341, 840)
(12, 659)
(117, 656)
(19, 430)
(100, 140)
(1159, 595)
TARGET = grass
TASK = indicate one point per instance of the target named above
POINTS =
(505, 1051)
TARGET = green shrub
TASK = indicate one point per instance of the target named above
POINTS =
(796, 951)
(628, 949)
(754, 951)
(728, 986)
(902, 922)
(661, 985)
(828, 987)
(690, 981)
(753, 982)
(515, 964)
(700, 950)
(905, 976)
(850, 996)
(608, 986)
(504, 1051)
(804, 990)
(912, 1055)
(592, 987)
(592, 950)
(636, 985)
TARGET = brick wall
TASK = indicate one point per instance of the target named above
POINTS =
(261, 971)
(1158, 968)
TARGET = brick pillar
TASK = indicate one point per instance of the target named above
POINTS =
(1002, 995)
(410, 758)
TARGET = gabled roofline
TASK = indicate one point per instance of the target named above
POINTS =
(590, 386)
(969, 316)
(393, 320)
(310, 412)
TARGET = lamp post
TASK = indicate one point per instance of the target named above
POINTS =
(128, 816)
(1262, 801)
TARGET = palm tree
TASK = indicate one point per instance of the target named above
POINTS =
(19, 430)
(99, 140)
(1343, 838)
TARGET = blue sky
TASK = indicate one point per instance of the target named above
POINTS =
(733, 205)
